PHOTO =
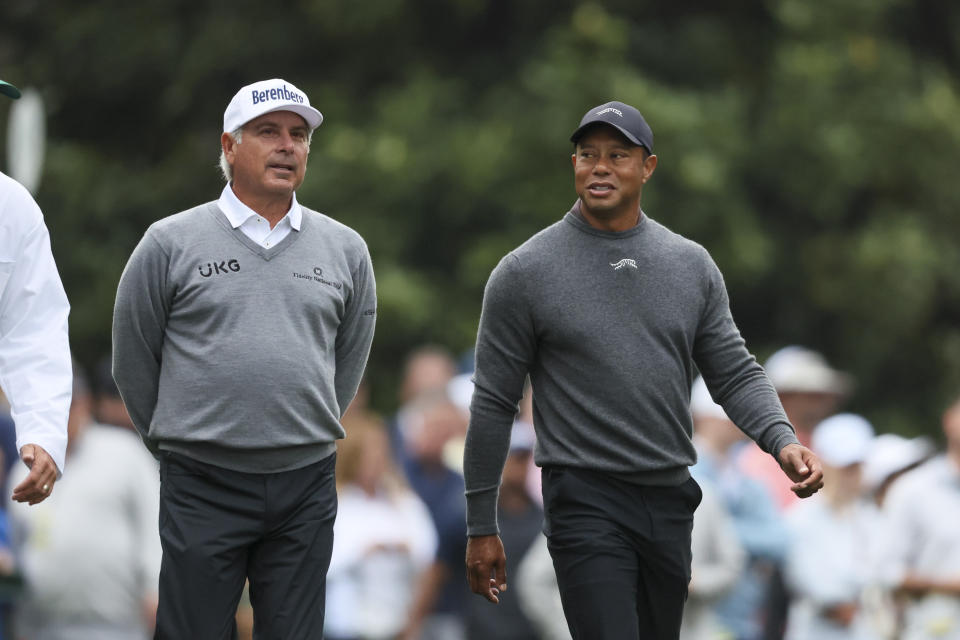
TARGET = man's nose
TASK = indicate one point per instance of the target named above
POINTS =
(601, 166)
(286, 141)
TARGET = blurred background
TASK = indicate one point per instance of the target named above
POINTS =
(811, 147)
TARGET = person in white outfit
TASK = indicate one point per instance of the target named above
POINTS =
(922, 543)
(383, 540)
(831, 560)
(35, 369)
(90, 553)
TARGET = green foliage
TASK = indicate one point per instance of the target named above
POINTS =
(811, 147)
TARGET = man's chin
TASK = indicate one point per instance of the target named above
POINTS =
(282, 187)
(601, 210)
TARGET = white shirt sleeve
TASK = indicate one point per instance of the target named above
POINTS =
(35, 367)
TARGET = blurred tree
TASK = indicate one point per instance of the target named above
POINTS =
(810, 147)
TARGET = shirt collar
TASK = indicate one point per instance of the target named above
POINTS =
(237, 213)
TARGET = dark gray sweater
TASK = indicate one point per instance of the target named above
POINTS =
(608, 326)
(237, 355)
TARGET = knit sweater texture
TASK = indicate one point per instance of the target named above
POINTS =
(611, 328)
(237, 355)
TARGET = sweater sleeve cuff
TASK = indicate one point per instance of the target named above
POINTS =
(482, 513)
(779, 439)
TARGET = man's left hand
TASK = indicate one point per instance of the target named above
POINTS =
(38, 484)
(803, 467)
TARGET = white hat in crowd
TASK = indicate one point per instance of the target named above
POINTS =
(460, 391)
(801, 370)
(890, 453)
(842, 440)
(266, 96)
(702, 404)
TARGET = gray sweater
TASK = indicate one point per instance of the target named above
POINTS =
(609, 327)
(237, 355)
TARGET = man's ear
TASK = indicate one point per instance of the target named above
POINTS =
(649, 166)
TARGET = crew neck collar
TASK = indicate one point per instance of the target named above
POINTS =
(577, 219)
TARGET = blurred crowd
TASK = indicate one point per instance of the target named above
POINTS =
(874, 555)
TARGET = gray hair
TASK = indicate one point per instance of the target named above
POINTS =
(225, 167)
(226, 170)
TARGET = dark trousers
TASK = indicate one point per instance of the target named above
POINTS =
(621, 552)
(220, 527)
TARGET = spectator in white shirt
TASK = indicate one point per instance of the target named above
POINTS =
(35, 371)
(922, 551)
(383, 540)
(831, 560)
(91, 553)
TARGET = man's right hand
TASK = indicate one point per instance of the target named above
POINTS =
(38, 484)
(486, 566)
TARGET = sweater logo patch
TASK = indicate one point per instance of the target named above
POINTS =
(317, 276)
(224, 266)
(626, 262)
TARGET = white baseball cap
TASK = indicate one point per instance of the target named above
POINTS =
(801, 370)
(842, 440)
(266, 96)
(891, 453)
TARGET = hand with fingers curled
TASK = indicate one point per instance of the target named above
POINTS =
(487, 566)
(803, 467)
(38, 485)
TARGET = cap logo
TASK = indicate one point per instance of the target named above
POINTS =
(608, 110)
(277, 94)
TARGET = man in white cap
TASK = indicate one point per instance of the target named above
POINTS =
(35, 370)
(809, 390)
(241, 330)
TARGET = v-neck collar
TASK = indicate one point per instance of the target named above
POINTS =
(265, 253)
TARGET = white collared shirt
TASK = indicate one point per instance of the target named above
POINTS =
(35, 368)
(255, 226)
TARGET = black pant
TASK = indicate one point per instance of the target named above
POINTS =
(219, 527)
(621, 552)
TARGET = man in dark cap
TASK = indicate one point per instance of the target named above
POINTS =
(608, 311)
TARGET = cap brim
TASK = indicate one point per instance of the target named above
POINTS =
(586, 125)
(9, 90)
(311, 115)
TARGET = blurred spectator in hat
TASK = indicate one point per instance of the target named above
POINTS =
(921, 557)
(90, 552)
(890, 457)
(831, 560)
(521, 520)
(810, 390)
(431, 421)
(759, 526)
(108, 405)
(383, 540)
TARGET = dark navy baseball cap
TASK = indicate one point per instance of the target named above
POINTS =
(8, 89)
(623, 117)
